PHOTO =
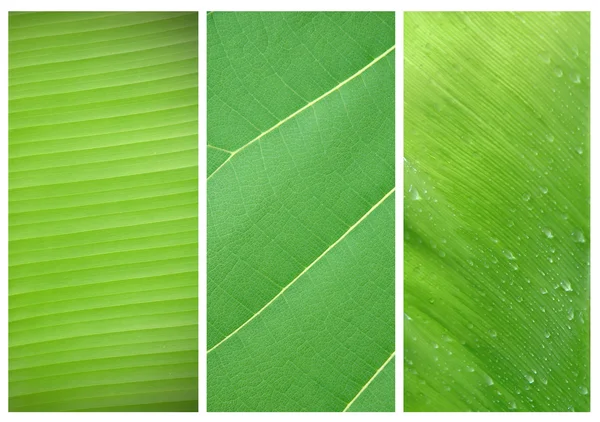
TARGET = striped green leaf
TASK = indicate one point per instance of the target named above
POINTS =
(497, 212)
(103, 212)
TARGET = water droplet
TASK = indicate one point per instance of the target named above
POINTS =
(582, 390)
(548, 233)
(575, 51)
(442, 254)
(545, 57)
(547, 334)
(570, 314)
(566, 285)
(469, 369)
(508, 254)
(543, 290)
(414, 193)
(579, 150)
(575, 77)
(544, 189)
(550, 137)
(512, 405)
(558, 71)
(529, 379)
(493, 333)
(436, 346)
(526, 197)
(578, 236)
(489, 381)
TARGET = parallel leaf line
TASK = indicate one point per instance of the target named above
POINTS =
(93, 230)
(63, 62)
(61, 339)
(102, 178)
(120, 116)
(113, 213)
(117, 99)
(96, 204)
(91, 18)
(114, 368)
(96, 309)
(111, 395)
(111, 382)
(304, 271)
(148, 35)
(370, 381)
(188, 348)
(116, 245)
(310, 104)
(93, 28)
(79, 163)
(100, 75)
(79, 299)
(96, 254)
(104, 134)
(111, 346)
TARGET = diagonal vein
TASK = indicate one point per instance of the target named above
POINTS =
(313, 102)
(303, 271)
(370, 381)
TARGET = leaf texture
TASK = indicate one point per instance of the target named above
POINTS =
(300, 211)
(497, 212)
(103, 212)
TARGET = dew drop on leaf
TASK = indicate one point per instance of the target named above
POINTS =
(578, 236)
(548, 233)
(544, 57)
(566, 285)
(575, 77)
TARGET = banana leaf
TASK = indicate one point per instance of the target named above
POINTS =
(497, 214)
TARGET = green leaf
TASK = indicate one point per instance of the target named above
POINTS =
(300, 211)
(497, 212)
(103, 311)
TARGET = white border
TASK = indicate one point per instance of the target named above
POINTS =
(319, 5)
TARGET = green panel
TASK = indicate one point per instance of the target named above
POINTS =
(300, 214)
(497, 214)
(103, 218)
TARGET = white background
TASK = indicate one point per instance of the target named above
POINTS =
(398, 6)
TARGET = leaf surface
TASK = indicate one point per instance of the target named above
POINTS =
(496, 212)
(103, 212)
(300, 211)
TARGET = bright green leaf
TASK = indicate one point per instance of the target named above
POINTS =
(497, 212)
(103, 311)
(300, 211)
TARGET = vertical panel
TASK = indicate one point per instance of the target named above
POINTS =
(103, 212)
(497, 216)
(300, 212)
